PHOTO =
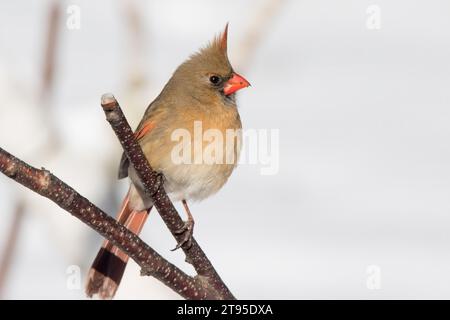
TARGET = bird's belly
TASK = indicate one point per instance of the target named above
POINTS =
(196, 181)
(183, 182)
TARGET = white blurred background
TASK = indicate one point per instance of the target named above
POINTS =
(360, 207)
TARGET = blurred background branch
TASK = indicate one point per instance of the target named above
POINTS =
(259, 25)
(13, 236)
(51, 146)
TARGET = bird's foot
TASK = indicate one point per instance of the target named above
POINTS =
(187, 231)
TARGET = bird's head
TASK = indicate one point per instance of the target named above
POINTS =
(209, 71)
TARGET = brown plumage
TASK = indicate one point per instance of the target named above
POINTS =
(201, 91)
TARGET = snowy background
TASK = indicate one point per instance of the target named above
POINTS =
(363, 188)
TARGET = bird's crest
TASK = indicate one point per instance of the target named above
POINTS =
(224, 39)
(212, 58)
(220, 42)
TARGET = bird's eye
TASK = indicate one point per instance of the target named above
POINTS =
(214, 80)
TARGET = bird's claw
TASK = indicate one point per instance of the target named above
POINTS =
(159, 181)
(186, 230)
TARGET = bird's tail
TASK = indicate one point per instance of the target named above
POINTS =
(108, 267)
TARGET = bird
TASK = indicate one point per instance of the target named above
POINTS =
(202, 90)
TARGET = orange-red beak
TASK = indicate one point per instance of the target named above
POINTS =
(236, 83)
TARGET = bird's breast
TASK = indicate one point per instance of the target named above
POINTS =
(196, 151)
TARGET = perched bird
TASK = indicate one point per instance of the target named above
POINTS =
(200, 91)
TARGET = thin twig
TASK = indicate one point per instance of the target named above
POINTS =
(255, 32)
(136, 46)
(153, 187)
(11, 244)
(48, 76)
(48, 72)
(51, 187)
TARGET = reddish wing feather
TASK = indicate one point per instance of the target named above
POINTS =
(148, 126)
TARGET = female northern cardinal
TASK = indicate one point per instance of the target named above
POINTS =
(202, 89)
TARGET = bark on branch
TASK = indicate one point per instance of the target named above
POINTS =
(205, 285)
